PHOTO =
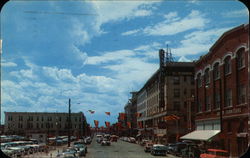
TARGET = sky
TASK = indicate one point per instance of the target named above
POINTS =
(97, 52)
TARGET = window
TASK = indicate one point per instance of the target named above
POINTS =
(199, 83)
(176, 105)
(192, 93)
(241, 94)
(192, 80)
(185, 78)
(217, 100)
(207, 76)
(199, 107)
(240, 58)
(216, 71)
(41, 125)
(20, 118)
(228, 98)
(37, 125)
(227, 65)
(176, 93)
(176, 80)
(208, 105)
(42, 118)
(37, 118)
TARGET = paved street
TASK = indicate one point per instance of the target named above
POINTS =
(119, 149)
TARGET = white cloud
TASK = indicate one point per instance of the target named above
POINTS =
(236, 13)
(8, 64)
(192, 21)
(198, 42)
(131, 32)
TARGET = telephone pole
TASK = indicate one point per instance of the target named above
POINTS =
(69, 125)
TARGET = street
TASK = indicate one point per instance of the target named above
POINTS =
(119, 149)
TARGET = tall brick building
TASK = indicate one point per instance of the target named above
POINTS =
(222, 87)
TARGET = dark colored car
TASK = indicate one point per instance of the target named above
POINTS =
(159, 149)
(179, 147)
(170, 148)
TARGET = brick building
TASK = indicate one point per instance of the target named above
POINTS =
(53, 124)
(222, 86)
(178, 87)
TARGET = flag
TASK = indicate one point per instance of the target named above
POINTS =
(129, 124)
(96, 123)
(91, 111)
(138, 114)
(107, 124)
(108, 113)
(139, 124)
(122, 116)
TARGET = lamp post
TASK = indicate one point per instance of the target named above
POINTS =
(69, 125)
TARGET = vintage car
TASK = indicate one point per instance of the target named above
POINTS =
(148, 147)
(215, 153)
(159, 149)
(105, 141)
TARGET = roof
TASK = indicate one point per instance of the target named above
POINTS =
(204, 135)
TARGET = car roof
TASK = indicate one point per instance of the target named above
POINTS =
(159, 145)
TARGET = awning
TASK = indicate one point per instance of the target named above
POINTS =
(204, 135)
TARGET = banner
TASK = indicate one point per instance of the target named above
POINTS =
(96, 123)
(107, 124)
(122, 116)
(108, 113)
(129, 124)
(139, 124)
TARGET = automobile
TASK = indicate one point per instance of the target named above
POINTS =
(215, 153)
(170, 148)
(144, 141)
(113, 138)
(105, 141)
(159, 149)
(70, 150)
(81, 146)
(179, 146)
(87, 140)
(132, 140)
(148, 147)
(9, 153)
(99, 138)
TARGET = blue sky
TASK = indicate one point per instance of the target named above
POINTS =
(96, 52)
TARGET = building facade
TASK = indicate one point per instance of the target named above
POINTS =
(53, 124)
(178, 89)
(222, 86)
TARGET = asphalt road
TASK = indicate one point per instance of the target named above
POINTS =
(119, 149)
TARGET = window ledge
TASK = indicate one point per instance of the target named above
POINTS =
(229, 73)
(242, 67)
(227, 107)
(242, 104)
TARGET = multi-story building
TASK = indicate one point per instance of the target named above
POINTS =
(222, 83)
(178, 82)
(53, 124)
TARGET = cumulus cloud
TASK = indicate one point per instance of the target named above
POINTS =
(131, 32)
(8, 64)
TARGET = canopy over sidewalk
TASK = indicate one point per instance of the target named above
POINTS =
(203, 135)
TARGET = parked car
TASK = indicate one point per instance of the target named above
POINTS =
(99, 138)
(215, 153)
(159, 149)
(81, 146)
(105, 141)
(144, 141)
(148, 147)
(170, 148)
(132, 140)
(69, 155)
(113, 138)
(179, 147)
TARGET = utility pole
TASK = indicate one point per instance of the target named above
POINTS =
(69, 125)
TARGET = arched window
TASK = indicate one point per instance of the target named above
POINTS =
(207, 76)
(216, 71)
(199, 80)
(227, 65)
(240, 58)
